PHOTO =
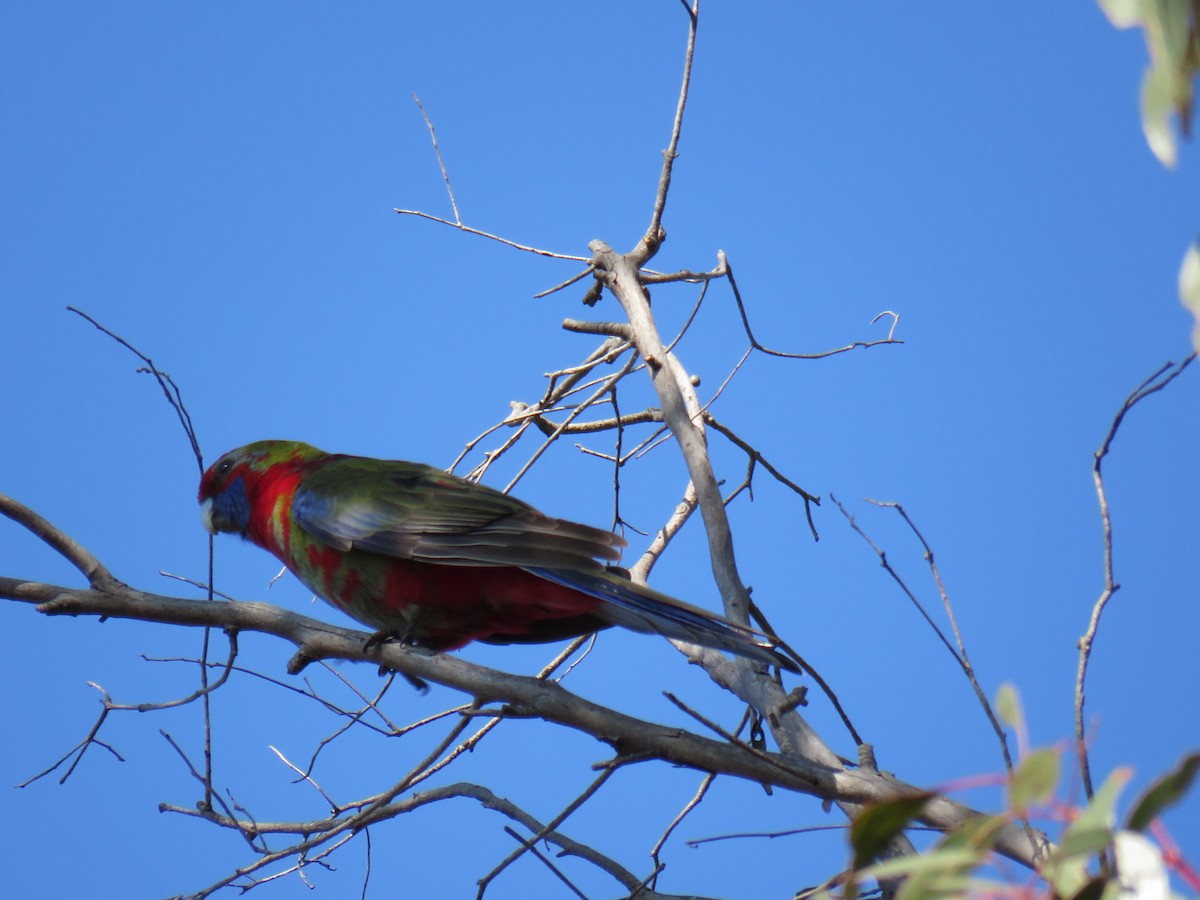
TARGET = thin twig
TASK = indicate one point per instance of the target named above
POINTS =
(1152, 385)
(654, 233)
(303, 775)
(609, 769)
(565, 284)
(682, 512)
(695, 801)
(887, 567)
(372, 811)
(962, 656)
(207, 588)
(520, 414)
(206, 687)
(174, 398)
(81, 748)
(617, 423)
(691, 318)
(491, 237)
(205, 780)
(737, 297)
(726, 734)
(579, 410)
(373, 704)
(649, 277)
(441, 163)
(810, 500)
(169, 388)
(705, 783)
(528, 844)
(769, 835)
(390, 731)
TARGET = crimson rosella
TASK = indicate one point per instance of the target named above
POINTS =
(438, 561)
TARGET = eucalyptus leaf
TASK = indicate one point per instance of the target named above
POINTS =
(1170, 788)
(1157, 105)
(1123, 13)
(1035, 779)
(1189, 288)
(1008, 707)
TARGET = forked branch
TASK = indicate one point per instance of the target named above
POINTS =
(1166, 374)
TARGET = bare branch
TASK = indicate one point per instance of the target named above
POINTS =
(810, 500)
(565, 284)
(683, 275)
(169, 388)
(596, 396)
(90, 567)
(441, 164)
(81, 748)
(1165, 374)
(205, 688)
(960, 655)
(628, 736)
(613, 329)
(303, 775)
(174, 398)
(528, 844)
(683, 512)
(737, 296)
(489, 236)
(562, 383)
(593, 426)
(654, 233)
(609, 769)
(696, 800)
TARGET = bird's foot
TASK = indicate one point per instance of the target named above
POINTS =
(385, 636)
(381, 637)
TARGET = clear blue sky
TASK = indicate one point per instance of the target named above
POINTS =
(215, 182)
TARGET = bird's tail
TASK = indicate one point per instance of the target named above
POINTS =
(637, 607)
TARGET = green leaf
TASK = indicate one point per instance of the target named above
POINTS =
(1122, 13)
(1090, 833)
(1173, 33)
(1101, 812)
(875, 826)
(1156, 115)
(980, 832)
(1169, 28)
(1008, 707)
(945, 861)
(1068, 875)
(1189, 287)
(1035, 779)
(1168, 789)
(930, 884)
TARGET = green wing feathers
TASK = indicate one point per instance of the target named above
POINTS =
(417, 512)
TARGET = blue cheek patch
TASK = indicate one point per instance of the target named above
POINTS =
(233, 506)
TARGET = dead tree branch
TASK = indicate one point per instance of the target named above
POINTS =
(627, 735)
(1166, 374)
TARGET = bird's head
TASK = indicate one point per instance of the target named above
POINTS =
(228, 487)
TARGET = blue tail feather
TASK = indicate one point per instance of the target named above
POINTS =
(637, 607)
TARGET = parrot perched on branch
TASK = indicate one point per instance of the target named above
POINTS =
(438, 561)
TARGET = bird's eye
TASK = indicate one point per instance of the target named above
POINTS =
(224, 466)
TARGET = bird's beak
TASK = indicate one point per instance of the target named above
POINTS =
(206, 516)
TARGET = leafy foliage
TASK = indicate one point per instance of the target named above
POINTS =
(1169, 27)
(1078, 866)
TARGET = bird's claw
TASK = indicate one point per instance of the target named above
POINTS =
(378, 639)
(384, 636)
